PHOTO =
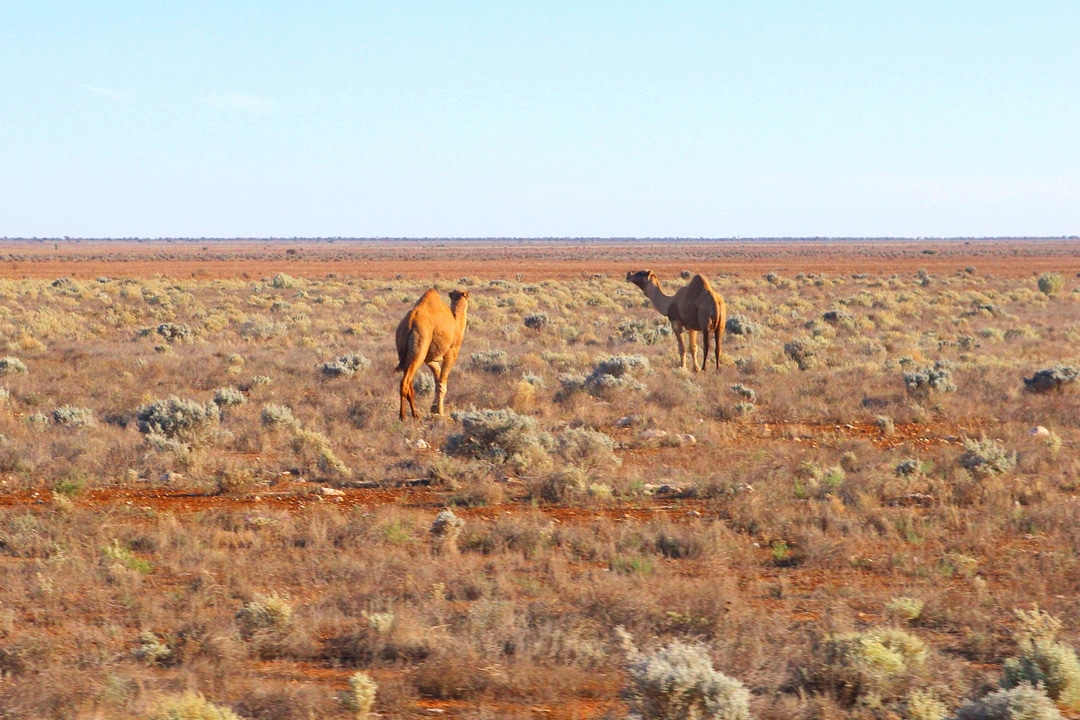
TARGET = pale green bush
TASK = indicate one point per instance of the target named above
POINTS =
(264, 612)
(983, 458)
(679, 682)
(1023, 702)
(191, 706)
(186, 420)
(587, 449)
(501, 436)
(71, 416)
(1051, 283)
(868, 667)
(11, 365)
(1043, 661)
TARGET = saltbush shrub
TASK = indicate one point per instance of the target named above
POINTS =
(1051, 283)
(228, 397)
(937, 378)
(345, 366)
(264, 612)
(616, 374)
(191, 706)
(868, 667)
(984, 458)
(494, 362)
(679, 681)
(172, 332)
(536, 321)
(71, 416)
(186, 420)
(501, 436)
(739, 325)
(802, 352)
(1023, 702)
(11, 365)
(1051, 379)
(587, 449)
(1043, 661)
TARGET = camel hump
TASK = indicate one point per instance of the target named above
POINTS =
(699, 283)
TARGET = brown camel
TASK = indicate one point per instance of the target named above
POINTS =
(694, 308)
(431, 334)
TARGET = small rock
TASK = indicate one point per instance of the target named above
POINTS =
(669, 490)
(1039, 431)
(652, 434)
(420, 444)
(625, 421)
(171, 477)
(688, 439)
(331, 492)
(744, 487)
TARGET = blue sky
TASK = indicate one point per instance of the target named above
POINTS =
(694, 119)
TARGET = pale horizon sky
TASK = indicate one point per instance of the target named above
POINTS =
(540, 119)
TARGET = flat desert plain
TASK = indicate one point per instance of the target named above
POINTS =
(209, 505)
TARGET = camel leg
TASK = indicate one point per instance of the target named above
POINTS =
(417, 353)
(441, 380)
(677, 328)
(704, 350)
(693, 349)
(436, 371)
(719, 334)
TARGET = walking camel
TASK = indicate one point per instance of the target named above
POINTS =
(694, 308)
(430, 334)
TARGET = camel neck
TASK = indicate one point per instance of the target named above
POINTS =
(460, 310)
(660, 300)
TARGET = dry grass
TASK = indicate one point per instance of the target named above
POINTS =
(194, 504)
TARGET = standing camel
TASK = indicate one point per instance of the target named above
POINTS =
(431, 334)
(694, 308)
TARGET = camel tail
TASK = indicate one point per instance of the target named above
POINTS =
(402, 356)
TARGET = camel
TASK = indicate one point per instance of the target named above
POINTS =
(694, 308)
(431, 334)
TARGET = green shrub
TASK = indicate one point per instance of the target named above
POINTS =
(922, 705)
(264, 612)
(172, 332)
(983, 458)
(345, 366)
(361, 695)
(616, 374)
(494, 362)
(802, 352)
(277, 416)
(587, 449)
(501, 436)
(1023, 702)
(1051, 379)
(1051, 283)
(536, 321)
(679, 681)
(1043, 661)
(185, 420)
(71, 416)
(10, 365)
(191, 706)
(937, 378)
(868, 667)
(739, 325)
(228, 397)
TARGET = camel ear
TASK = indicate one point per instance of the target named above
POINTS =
(629, 276)
(465, 294)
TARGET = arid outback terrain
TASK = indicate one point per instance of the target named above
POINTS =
(209, 508)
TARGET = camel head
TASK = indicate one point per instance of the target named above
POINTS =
(458, 295)
(642, 278)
